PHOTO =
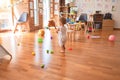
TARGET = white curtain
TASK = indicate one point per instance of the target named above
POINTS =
(36, 13)
(46, 12)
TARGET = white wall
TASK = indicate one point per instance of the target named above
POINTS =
(90, 6)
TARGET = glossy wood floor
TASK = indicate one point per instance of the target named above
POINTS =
(89, 59)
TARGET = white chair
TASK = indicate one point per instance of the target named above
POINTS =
(70, 32)
(23, 20)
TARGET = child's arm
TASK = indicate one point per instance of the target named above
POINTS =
(57, 30)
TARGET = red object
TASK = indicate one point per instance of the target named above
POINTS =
(70, 49)
(111, 38)
(90, 28)
(88, 37)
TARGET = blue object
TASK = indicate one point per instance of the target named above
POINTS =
(68, 20)
(23, 17)
(83, 17)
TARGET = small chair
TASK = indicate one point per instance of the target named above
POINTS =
(83, 17)
(72, 29)
(22, 20)
(70, 32)
(89, 27)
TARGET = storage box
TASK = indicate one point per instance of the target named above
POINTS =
(108, 25)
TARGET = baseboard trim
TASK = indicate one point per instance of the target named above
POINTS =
(5, 30)
(116, 28)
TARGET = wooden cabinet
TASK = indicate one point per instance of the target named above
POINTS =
(108, 24)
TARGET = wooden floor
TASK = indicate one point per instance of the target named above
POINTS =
(89, 59)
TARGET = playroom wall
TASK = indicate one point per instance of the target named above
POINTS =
(90, 6)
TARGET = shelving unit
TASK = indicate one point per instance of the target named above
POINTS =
(59, 8)
(63, 9)
(66, 10)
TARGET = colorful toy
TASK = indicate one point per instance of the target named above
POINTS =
(69, 48)
(40, 40)
(95, 37)
(47, 51)
(18, 44)
(111, 38)
(52, 52)
(42, 65)
(51, 23)
(51, 37)
(87, 31)
(88, 37)
(47, 27)
(41, 33)
(33, 53)
(90, 29)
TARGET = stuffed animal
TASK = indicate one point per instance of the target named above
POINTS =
(51, 23)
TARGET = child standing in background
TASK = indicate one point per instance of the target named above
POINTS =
(62, 34)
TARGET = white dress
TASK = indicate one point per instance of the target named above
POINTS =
(62, 35)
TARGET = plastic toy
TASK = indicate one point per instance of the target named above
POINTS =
(69, 48)
(33, 53)
(51, 52)
(42, 65)
(40, 40)
(18, 44)
(41, 33)
(47, 51)
(111, 38)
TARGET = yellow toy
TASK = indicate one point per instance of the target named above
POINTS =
(33, 53)
(41, 33)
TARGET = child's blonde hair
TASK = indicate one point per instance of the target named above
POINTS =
(63, 20)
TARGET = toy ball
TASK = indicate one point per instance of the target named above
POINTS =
(33, 53)
(111, 38)
(88, 36)
(42, 65)
(47, 51)
(41, 32)
(52, 52)
(47, 27)
(18, 44)
(51, 37)
(69, 48)
(40, 40)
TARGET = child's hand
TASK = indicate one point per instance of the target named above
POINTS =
(57, 30)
